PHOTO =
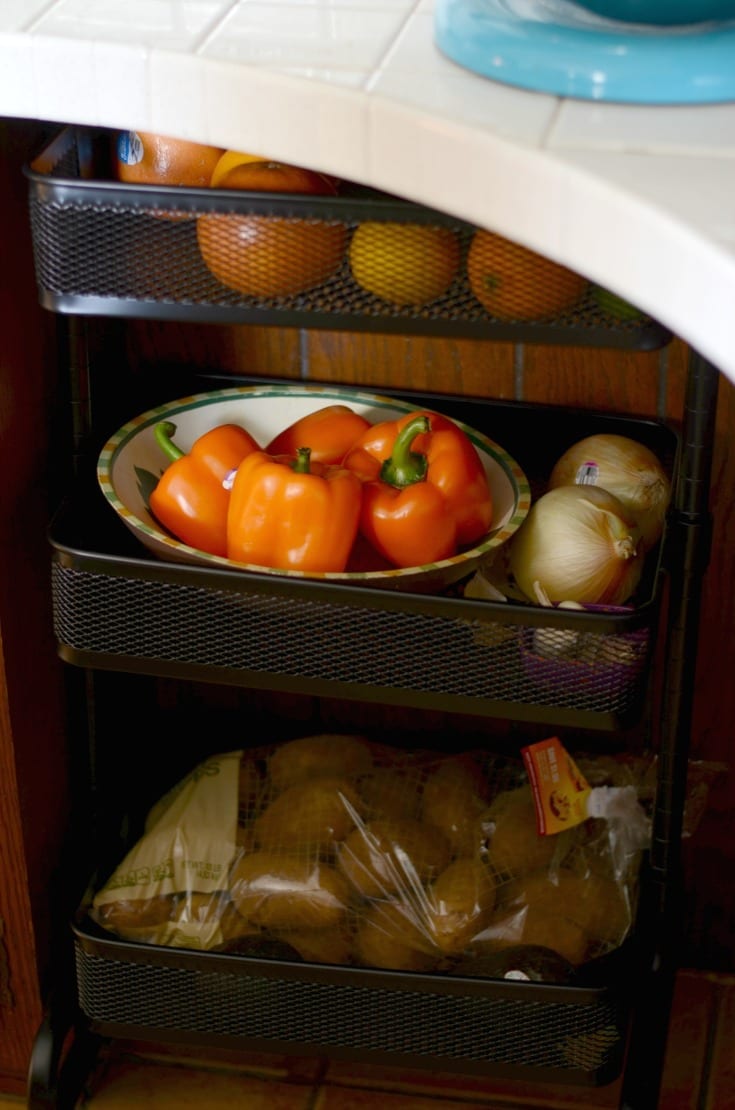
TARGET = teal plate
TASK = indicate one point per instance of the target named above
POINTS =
(558, 47)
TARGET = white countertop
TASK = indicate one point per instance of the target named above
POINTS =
(640, 199)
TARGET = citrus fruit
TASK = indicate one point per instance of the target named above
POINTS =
(145, 158)
(614, 305)
(514, 283)
(404, 264)
(230, 160)
(272, 256)
(261, 175)
(228, 173)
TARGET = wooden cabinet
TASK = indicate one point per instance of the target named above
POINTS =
(34, 792)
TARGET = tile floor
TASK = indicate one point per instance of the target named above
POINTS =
(699, 1074)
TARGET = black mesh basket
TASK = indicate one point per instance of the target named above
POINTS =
(573, 1034)
(443, 652)
(360, 260)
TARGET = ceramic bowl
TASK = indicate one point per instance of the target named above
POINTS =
(130, 464)
(667, 13)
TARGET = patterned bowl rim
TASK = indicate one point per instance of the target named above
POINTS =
(331, 394)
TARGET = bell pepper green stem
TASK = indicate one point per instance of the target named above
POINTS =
(301, 464)
(403, 466)
(162, 433)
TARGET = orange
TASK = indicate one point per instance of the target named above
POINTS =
(230, 160)
(514, 283)
(144, 158)
(404, 264)
(271, 256)
(224, 176)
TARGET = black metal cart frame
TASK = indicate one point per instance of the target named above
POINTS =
(553, 1033)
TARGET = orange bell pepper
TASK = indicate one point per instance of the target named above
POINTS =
(192, 495)
(292, 514)
(329, 432)
(426, 493)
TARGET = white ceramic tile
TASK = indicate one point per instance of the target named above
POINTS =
(637, 244)
(297, 120)
(177, 100)
(447, 166)
(122, 83)
(167, 24)
(64, 75)
(339, 5)
(16, 15)
(282, 35)
(17, 80)
(416, 73)
(698, 192)
(708, 131)
(347, 78)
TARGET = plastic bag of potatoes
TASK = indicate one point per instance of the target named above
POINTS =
(335, 849)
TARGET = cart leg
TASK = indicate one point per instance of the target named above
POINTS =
(644, 1065)
(64, 1054)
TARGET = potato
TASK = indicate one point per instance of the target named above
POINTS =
(315, 813)
(137, 913)
(390, 937)
(597, 905)
(515, 846)
(250, 786)
(453, 801)
(279, 891)
(531, 925)
(330, 754)
(245, 838)
(233, 925)
(201, 907)
(389, 792)
(321, 946)
(389, 856)
(460, 904)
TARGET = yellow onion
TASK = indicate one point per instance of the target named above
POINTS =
(625, 468)
(579, 543)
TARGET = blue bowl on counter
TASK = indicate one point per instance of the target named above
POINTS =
(668, 13)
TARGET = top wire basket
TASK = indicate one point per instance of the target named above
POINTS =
(360, 260)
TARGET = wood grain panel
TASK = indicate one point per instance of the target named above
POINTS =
(33, 785)
(468, 367)
(608, 380)
(721, 1087)
(270, 352)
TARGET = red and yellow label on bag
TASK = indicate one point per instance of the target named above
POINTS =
(560, 790)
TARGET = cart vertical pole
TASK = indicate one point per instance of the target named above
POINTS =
(688, 544)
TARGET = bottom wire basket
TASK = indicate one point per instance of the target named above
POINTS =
(571, 1034)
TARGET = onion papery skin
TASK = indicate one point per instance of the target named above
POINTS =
(580, 544)
(625, 468)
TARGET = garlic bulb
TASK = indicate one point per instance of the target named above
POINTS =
(625, 468)
(553, 643)
(580, 544)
